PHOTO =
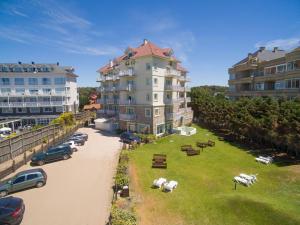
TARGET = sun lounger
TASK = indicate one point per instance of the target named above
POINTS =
(241, 180)
(170, 186)
(159, 182)
(250, 178)
(264, 160)
(268, 158)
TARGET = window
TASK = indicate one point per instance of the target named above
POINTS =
(130, 111)
(148, 81)
(148, 98)
(147, 112)
(46, 81)
(59, 109)
(281, 68)
(279, 85)
(60, 80)
(155, 81)
(4, 69)
(33, 91)
(32, 81)
(19, 180)
(7, 110)
(20, 110)
(5, 81)
(32, 176)
(5, 90)
(18, 69)
(168, 82)
(20, 90)
(46, 90)
(35, 110)
(59, 90)
(148, 66)
(155, 97)
(168, 96)
(160, 129)
(156, 112)
(47, 109)
(19, 81)
(259, 86)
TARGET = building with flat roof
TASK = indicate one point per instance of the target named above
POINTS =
(273, 73)
(145, 90)
(37, 93)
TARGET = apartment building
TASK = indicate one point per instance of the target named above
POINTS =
(274, 73)
(36, 93)
(145, 90)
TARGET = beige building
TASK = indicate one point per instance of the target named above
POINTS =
(265, 72)
(145, 90)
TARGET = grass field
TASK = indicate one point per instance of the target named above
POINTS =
(205, 194)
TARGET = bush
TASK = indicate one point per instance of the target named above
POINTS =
(122, 217)
(121, 179)
(65, 119)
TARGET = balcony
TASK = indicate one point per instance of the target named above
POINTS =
(124, 73)
(174, 88)
(173, 101)
(130, 87)
(126, 116)
(111, 112)
(108, 78)
(173, 73)
(112, 101)
(188, 99)
(31, 104)
(128, 102)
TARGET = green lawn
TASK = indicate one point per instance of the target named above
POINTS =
(206, 195)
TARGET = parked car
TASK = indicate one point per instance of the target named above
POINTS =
(77, 140)
(72, 145)
(81, 135)
(52, 154)
(11, 210)
(128, 138)
(23, 180)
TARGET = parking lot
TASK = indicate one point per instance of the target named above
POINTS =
(78, 190)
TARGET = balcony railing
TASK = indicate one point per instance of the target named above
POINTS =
(127, 102)
(32, 104)
(188, 99)
(126, 116)
(174, 88)
(172, 72)
(112, 101)
(129, 72)
(130, 87)
(173, 101)
(111, 112)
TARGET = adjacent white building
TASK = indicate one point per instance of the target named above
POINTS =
(37, 93)
(145, 90)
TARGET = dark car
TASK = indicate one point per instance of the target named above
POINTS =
(59, 152)
(81, 135)
(128, 138)
(11, 211)
(77, 140)
(23, 180)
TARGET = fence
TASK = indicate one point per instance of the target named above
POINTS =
(17, 151)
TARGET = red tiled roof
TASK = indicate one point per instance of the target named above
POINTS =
(145, 49)
(92, 106)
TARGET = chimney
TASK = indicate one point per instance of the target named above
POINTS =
(262, 48)
(145, 41)
(275, 49)
(111, 63)
(32, 63)
(19, 62)
(57, 63)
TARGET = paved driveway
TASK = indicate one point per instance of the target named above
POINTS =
(78, 190)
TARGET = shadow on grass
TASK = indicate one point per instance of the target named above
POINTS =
(253, 212)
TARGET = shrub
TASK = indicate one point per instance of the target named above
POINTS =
(122, 217)
(121, 179)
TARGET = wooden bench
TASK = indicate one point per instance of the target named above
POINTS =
(159, 161)
(186, 147)
(211, 143)
(192, 152)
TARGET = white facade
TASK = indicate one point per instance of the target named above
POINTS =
(40, 90)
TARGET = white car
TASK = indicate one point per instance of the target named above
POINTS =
(72, 145)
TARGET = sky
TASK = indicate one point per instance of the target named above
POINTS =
(207, 36)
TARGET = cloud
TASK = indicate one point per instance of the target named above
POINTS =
(285, 44)
(55, 25)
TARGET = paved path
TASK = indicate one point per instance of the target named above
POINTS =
(78, 190)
